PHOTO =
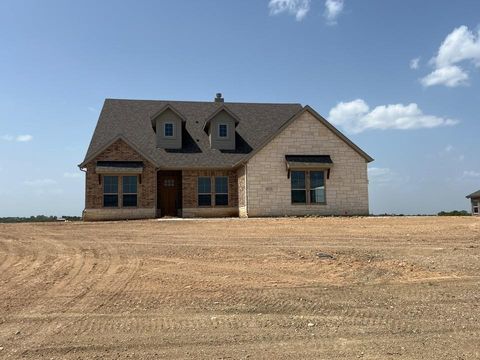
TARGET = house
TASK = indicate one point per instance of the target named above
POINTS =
(152, 159)
(475, 200)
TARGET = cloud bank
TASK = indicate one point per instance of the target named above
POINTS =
(355, 116)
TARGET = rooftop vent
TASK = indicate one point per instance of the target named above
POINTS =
(218, 97)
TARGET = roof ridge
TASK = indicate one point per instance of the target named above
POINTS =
(202, 102)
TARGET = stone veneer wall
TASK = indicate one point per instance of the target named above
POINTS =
(94, 210)
(189, 192)
(242, 201)
(269, 192)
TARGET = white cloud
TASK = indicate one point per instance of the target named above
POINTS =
(92, 109)
(333, 9)
(19, 138)
(24, 138)
(460, 46)
(355, 116)
(40, 182)
(72, 175)
(415, 63)
(449, 148)
(299, 8)
(471, 173)
(451, 76)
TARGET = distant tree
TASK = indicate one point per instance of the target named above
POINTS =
(38, 218)
(454, 213)
(72, 218)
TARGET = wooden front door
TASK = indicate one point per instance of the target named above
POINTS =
(169, 193)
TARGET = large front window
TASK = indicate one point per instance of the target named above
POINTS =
(221, 190)
(204, 191)
(311, 183)
(110, 191)
(298, 187)
(212, 190)
(114, 191)
(129, 191)
(317, 187)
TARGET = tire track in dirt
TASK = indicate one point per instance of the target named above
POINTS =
(107, 283)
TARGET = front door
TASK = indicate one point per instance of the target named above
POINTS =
(169, 198)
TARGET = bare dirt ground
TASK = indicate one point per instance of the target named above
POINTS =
(397, 288)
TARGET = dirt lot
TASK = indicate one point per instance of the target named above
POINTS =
(405, 288)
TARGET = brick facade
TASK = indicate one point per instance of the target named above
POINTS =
(268, 187)
(189, 186)
(190, 198)
(119, 151)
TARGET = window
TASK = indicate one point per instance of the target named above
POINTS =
(221, 190)
(476, 205)
(223, 130)
(129, 191)
(317, 187)
(298, 187)
(169, 183)
(168, 130)
(308, 182)
(204, 191)
(110, 191)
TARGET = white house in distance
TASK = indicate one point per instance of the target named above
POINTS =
(475, 200)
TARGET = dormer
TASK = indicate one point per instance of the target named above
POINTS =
(168, 126)
(220, 127)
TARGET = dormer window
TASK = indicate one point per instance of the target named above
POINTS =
(168, 130)
(169, 126)
(220, 127)
(222, 130)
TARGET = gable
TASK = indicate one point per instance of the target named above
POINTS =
(166, 112)
(305, 134)
(301, 115)
(119, 149)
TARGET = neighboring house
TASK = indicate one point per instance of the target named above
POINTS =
(202, 159)
(475, 200)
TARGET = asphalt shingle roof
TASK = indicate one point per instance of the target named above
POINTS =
(474, 195)
(131, 120)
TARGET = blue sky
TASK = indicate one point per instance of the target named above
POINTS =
(400, 78)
